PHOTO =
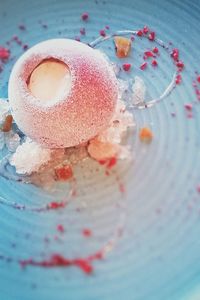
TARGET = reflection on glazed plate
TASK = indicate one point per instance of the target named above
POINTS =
(145, 210)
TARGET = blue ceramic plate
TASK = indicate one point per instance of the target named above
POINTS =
(158, 255)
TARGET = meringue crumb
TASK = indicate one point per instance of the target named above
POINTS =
(30, 157)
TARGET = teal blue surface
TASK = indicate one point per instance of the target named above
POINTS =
(158, 257)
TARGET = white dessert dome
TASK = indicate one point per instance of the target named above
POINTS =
(84, 93)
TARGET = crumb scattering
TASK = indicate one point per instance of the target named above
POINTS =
(143, 66)
(126, 67)
(4, 53)
(85, 16)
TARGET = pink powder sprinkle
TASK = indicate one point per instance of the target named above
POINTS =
(102, 32)
(188, 106)
(198, 78)
(198, 188)
(154, 63)
(82, 31)
(145, 30)
(152, 36)
(140, 33)
(189, 115)
(85, 16)
(87, 232)
(4, 53)
(180, 65)
(148, 54)
(126, 67)
(178, 79)
(60, 228)
(155, 50)
(143, 66)
(175, 54)
(25, 47)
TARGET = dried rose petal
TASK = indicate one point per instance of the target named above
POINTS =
(126, 67)
(175, 54)
(4, 53)
(188, 106)
(140, 33)
(178, 79)
(152, 36)
(180, 65)
(148, 54)
(155, 50)
(102, 32)
(85, 16)
(143, 66)
(145, 30)
(154, 63)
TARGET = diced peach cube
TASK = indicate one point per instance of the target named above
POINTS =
(146, 135)
(101, 151)
(123, 46)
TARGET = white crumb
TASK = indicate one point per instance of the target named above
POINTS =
(29, 157)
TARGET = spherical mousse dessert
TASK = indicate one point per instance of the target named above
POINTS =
(75, 114)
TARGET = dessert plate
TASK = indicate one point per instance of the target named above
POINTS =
(145, 216)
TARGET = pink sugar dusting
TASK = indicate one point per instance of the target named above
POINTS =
(152, 36)
(143, 66)
(126, 67)
(155, 50)
(148, 54)
(87, 232)
(82, 31)
(140, 33)
(178, 79)
(58, 260)
(198, 188)
(85, 16)
(145, 30)
(4, 53)
(154, 63)
(60, 228)
(102, 32)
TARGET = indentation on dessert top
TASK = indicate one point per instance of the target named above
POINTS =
(50, 80)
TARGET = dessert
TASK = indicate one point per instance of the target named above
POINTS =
(80, 101)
